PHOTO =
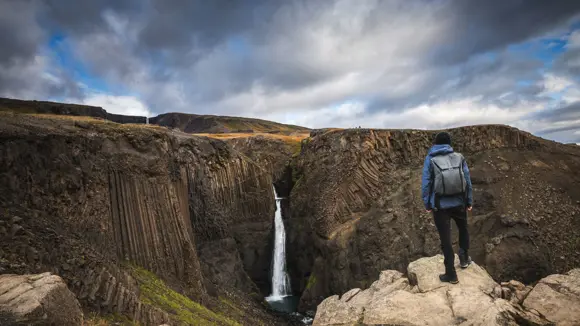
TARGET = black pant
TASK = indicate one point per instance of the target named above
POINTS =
(443, 224)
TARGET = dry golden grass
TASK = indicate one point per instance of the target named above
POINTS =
(67, 117)
(93, 120)
(96, 321)
(295, 137)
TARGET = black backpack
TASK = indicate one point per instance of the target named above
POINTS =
(449, 179)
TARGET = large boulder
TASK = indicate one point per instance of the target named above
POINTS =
(42, 299)
(558, 298)
(422, 299)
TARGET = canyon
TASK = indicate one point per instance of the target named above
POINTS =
(155, 224)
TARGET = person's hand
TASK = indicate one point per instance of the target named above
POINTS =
(428, 211)
(469, 208)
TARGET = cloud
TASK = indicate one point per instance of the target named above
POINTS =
(126, 105)
(372, 63)
(468, 111)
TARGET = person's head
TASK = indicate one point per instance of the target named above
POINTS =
(443, 138)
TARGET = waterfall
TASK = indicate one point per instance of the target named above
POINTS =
(280, 280)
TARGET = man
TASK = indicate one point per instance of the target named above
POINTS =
(447, 192)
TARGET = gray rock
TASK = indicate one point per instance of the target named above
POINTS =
(41, 299)
(557, 297)
(424, 300)
(16, 230)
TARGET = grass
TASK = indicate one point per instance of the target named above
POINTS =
(233, 124)
(258, 125)
(156, 293)
(288, 138)
(109, 320)
(95, 121)
(294, 141)
(311, 281)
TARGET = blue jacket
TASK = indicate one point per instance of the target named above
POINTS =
(427, 181)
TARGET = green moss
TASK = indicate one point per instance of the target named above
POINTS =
(110, 319)
(156, 293)
(295, 147)
(296, 173)
(231, 306)
(311, 281)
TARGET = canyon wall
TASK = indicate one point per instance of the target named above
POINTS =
(270, 154)
(91, 200)
(356, 206)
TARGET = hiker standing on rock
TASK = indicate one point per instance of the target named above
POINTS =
(447, 192)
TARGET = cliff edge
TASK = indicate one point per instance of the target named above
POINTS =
(356, 206)
(421, 299)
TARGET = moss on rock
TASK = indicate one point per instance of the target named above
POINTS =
(181, 308)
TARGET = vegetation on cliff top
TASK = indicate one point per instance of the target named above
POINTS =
(189, 123)
(193, 123)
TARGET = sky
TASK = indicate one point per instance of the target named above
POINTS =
(424, 64)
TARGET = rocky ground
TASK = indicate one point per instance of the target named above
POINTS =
(356, 206)
(42, 299)
(421, 299)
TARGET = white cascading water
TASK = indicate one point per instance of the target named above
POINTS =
(280, 280)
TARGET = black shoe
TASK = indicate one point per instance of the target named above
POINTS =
(448, 278)
(464, 259)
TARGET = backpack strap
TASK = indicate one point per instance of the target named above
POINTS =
(436, 204)
(463, 179)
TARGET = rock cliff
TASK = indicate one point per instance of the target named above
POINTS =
(421, 299)
(272, 154)
(90, 200)
(357, 208)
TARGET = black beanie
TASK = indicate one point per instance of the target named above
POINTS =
(443, 138)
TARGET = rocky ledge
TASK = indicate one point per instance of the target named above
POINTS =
(421, 299)
(41, 299)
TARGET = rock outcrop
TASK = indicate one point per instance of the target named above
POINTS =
(87, 200)
(271, 154)
(356, 206)
(557, 297)
(421, 299)
(42, 299)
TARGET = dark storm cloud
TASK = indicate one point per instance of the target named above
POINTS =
(569, 112)
(481, 26)
(19, 36)
(563, 121)
(568, 63)
(175, 24)
(572, 127)
(82, 16)
(494, 79)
